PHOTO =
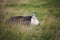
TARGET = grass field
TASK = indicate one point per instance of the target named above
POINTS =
(47, 12)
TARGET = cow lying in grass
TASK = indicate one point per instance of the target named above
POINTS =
(25, 20)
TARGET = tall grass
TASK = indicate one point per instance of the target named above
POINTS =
(47, 14)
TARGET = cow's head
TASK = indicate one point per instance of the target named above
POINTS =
(34, 20)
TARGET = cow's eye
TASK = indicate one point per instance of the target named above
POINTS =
(33, 18)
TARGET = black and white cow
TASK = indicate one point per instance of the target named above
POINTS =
(23, 20)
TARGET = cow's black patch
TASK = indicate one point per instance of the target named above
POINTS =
(19, 19)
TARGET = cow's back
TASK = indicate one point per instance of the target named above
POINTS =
(19, 19)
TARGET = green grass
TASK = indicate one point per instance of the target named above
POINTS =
(47, 13)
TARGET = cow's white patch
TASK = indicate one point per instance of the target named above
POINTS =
(34, 20)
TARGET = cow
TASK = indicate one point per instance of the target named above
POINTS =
(24, 20)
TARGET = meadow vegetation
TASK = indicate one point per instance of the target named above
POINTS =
(47, 12)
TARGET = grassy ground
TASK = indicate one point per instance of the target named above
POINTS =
(47, 12)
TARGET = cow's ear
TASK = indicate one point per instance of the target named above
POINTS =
(33, 15)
